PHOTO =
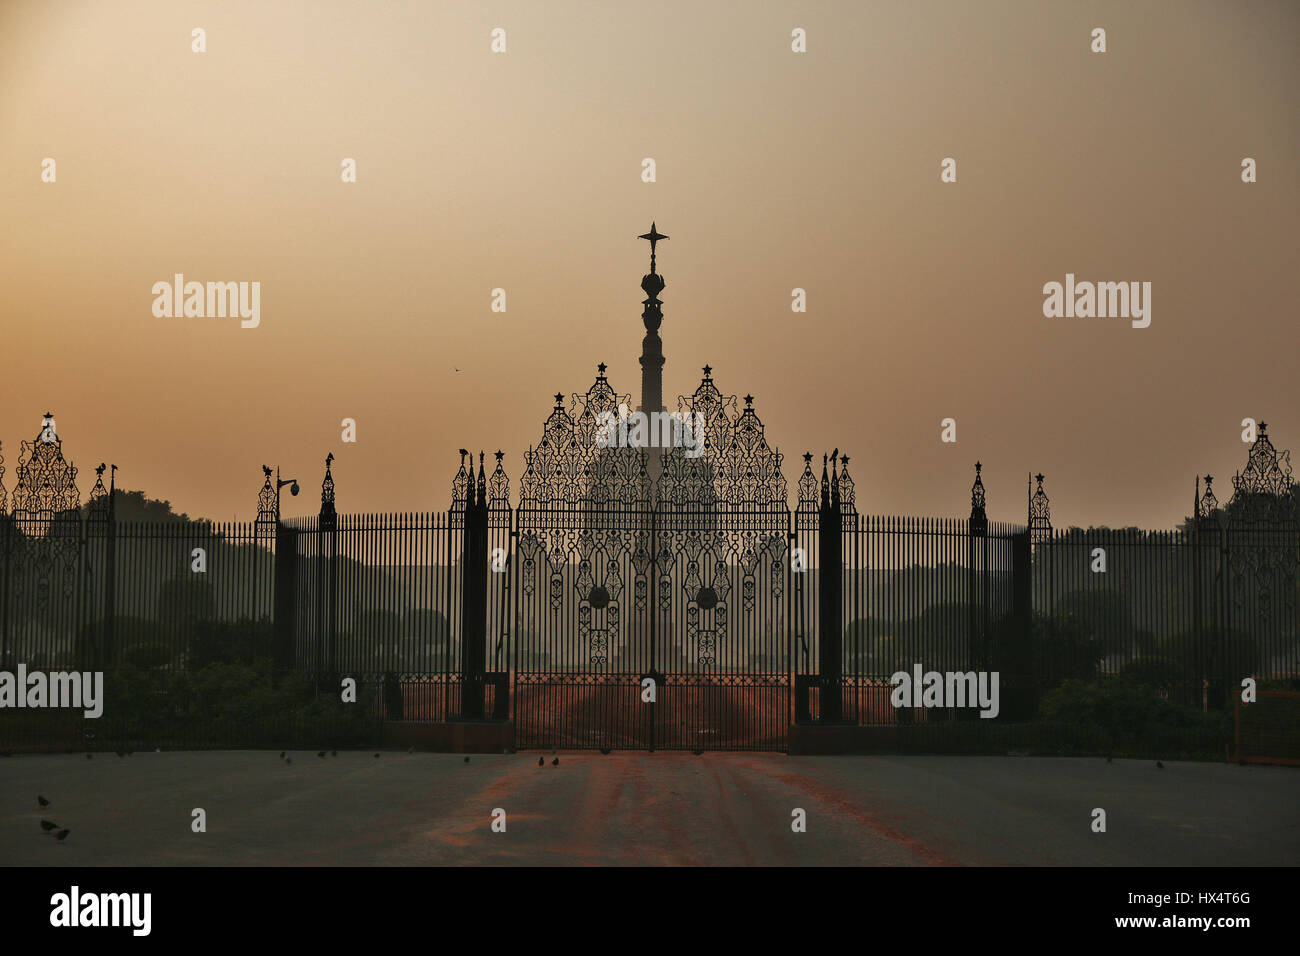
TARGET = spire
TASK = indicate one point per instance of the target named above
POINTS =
(652, 355)
(979, 521)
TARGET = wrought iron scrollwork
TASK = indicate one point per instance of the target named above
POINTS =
(1040, 515)
(47, 483)
(328, 513)
(268, 510)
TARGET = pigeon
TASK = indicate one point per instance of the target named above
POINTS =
(376, 756)
(47, 826)
(321, 754)
(605, 751)
(467, 760)
(411, 749)
(552, 753)
(555, 762)
(90, 756)
(1107, 758)
(1159, 765)
(281, 754)
(42, 801)
(62, 835)
(698, 753)
(121, 754)
(541, 761)
(334, 753)
(288, 760)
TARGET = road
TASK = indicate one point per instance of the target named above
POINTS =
(643, 809)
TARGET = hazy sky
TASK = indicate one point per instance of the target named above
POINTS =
(775, 170)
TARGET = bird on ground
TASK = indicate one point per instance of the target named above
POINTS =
(1107, 758)
(334, 753)
(321, 754)
(1159, 765)
(605, 751)
(62, 835)
(121, 754)
(697, 752)
(555, 762)
(288, 760)
(541, 761)
(376, 756)
(281, 754)
(411, 749)
(42, 801)
(467, 760)
(90, 756)
(47, 826)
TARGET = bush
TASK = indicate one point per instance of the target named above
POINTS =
(1123, 715)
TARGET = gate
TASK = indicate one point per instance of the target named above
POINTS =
(650, 585)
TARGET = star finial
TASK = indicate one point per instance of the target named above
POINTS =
(807, 458)
(1263, 426)
(654, 235)
(559, 399)
(708, 370)
(977, 467)
(749, 399)
(1039, 477)
(601, 368)
(500, 454)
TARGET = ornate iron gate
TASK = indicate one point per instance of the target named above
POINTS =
(649, 585)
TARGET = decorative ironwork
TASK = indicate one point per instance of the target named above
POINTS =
(846, 487)
(268, 505)
(4, 495)
(1040, 515)
(1264, 493)
(97, 503)
(1261, 522)
(328, 513)
(1207, 505)
(499, 486)
(979, 522)
(47, 482)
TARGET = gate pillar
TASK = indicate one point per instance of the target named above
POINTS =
(286, 595)
(474, 569)
(830, 594)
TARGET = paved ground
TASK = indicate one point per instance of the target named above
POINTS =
(659, 808)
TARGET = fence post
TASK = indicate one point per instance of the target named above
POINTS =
(977, 562)
(1023, 703)
(110, 574)
(327, 596)
(474, 597)
(830, 594)
(286, 593)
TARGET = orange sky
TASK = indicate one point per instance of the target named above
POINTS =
(775, 171)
